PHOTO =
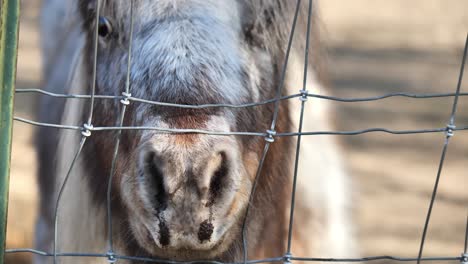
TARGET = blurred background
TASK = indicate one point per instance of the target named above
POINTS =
(375, 47)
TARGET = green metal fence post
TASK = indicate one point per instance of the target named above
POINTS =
(9, 19)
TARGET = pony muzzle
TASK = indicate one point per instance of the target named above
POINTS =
(189, 195)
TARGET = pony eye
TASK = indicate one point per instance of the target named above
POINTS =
(104, 27)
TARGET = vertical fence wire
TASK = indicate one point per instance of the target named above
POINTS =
(85, 132)
(286, 61)
(449, 134)
(465, 248)
(303, 99)
(59, 197)
(125, 102)
(95, 58)
(269, 139)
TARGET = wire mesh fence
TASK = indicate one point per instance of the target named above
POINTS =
(126, 99)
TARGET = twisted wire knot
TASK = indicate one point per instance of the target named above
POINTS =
(304, 95)
(270, 136)
(125, 100)
(464, 258)
(87, 128)
(111, 257)
(450, 130)
(287, 258)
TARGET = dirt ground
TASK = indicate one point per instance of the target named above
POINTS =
(375, 47)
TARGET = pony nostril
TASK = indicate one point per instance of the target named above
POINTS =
(205, 231)
(152, 165)
(218, 180)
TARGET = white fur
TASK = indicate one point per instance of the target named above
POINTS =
(323, 184)
(81, 225)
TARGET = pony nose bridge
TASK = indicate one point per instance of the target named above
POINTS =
(172, 174)
(205, 172)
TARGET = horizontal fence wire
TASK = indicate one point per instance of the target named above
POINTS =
(312, 95)
(269, 136)
(261, 134)
(277, 259)
(246, 133)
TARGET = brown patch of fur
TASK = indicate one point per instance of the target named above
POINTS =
(185, 140)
